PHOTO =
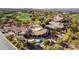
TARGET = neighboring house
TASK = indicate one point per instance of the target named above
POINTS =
(56, 23)
(58, 18)
(53, 25)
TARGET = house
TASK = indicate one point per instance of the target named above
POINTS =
(23, 30)
(56, 23)
(37, 30)
(58, 18)
(10, 33)
(53, 25)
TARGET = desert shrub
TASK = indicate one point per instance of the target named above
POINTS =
(75, 42)
(10, 37)
(20, 38)
(56, 47)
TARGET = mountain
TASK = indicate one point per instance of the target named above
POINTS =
(40, 9)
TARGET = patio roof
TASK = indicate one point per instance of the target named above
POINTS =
(41, 32)
(37, 30)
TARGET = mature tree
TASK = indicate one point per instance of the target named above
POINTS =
(46, 43)
(68, 36)
(32, 42)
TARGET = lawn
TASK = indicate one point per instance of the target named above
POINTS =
(23, 17)
(76, 16)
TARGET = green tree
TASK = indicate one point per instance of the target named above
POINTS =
(20, 38)
(59, 41)
(46, 43)
(33, 42)
(68, 36)
(10, 37)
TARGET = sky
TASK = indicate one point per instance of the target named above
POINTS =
(39, 3)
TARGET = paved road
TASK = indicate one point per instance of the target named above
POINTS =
(5, 44)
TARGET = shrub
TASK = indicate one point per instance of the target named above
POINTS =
(10, 37)
(75, 42)
(56, 47)
(20, 38)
